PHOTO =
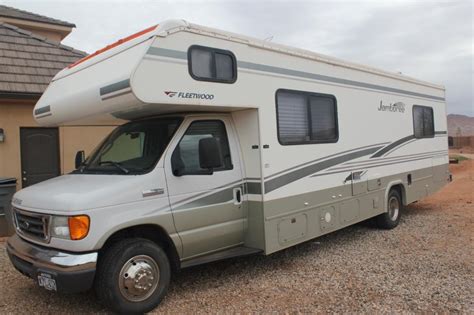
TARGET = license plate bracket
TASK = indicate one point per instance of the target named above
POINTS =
(47, 281)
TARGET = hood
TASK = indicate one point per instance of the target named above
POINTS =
(82, 192)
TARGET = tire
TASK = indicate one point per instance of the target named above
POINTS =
(121, 292)
(391, 218)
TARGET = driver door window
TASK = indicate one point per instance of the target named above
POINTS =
(186, 155)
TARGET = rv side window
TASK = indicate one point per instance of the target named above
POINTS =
(423, 121)
(304, 117)
(186, 154)
(211, 64)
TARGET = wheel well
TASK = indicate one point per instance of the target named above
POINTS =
(401, 190)
(150, 232)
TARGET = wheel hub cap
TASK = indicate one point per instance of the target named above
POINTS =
(393, 208)
(139, 278)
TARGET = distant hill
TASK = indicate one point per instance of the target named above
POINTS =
(460, 125)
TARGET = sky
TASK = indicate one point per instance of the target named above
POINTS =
(425, 39)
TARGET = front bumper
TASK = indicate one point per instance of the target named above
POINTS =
(73, 272)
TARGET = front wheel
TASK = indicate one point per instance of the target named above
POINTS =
(133, 276)
(391, 218)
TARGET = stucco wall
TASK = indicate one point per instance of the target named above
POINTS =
(13, 114)
(50, 31)
(16, 114)
(51, 35)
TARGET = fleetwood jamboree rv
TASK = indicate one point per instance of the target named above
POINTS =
(232, 146)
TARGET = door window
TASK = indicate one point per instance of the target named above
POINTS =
(186, 155)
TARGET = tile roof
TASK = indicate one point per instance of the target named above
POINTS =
(28, 62)
(15, 13)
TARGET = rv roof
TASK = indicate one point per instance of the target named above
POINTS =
(117, 43)
(251, 41)
(172, 26)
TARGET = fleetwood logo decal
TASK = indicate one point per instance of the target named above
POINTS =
(170, 94)
(202, 96)
(396, 107)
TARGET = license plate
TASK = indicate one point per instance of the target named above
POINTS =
(46, 281)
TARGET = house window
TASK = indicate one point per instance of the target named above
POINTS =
(186, 154)
(211, 64)
(304, 117)
(423, 121)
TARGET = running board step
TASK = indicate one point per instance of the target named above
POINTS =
(225, 254)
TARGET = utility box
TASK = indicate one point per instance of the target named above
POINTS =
(7, 189)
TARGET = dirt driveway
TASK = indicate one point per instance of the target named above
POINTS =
(424, 265)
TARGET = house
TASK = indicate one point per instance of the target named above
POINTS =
(31, 54)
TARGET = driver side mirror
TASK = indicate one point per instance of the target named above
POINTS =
(210, 156)
(80, 159)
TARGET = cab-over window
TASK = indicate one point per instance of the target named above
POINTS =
(212, 64)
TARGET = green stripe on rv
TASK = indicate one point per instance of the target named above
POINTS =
(285, 179)
(117, 86)
(171, 53)
(226, 195)
(43, 110)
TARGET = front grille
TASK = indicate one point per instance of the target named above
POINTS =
(32, 225)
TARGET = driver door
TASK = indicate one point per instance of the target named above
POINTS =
(207, 208)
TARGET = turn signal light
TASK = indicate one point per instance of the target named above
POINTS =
(78, 227)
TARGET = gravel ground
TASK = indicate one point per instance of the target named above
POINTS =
(424, 265)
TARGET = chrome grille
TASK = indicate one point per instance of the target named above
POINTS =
(33, 225)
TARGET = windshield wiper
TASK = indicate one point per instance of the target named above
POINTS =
(116, 164)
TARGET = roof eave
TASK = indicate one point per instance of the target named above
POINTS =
(20, 95)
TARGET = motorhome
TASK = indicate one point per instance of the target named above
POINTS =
(229, 146)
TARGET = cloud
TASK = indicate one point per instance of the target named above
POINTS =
(428, 40)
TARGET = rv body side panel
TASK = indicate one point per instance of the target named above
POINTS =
(248, 133)
(307, 183)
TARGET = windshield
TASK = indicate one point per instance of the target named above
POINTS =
(133, 148)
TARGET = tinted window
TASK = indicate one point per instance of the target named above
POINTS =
(305, 117)
(418, 121)
(428, 123)
(292, 117)
(323, 118)
(186, 154)
(211, 64)
(202, 63)
(224, 67)
(423, 121)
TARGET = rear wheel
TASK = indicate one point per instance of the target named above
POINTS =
(391, 218)
(133, 276)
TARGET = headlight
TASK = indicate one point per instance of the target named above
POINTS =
(70, 228)
(60, 227)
